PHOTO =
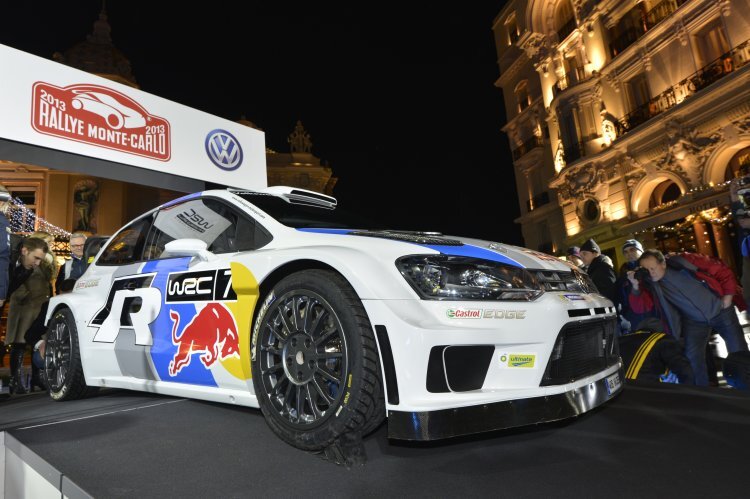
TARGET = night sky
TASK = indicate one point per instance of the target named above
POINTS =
(398, 100)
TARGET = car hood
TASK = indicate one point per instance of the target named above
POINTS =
(461, 246)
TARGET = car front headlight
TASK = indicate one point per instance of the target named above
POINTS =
(443, 277)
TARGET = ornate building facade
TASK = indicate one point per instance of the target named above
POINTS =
(626, 119)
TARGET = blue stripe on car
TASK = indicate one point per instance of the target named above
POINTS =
(474, 252)
(465, 250)
(180, 200)
(326, 231)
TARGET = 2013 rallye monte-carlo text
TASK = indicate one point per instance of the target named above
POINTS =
(279, 300)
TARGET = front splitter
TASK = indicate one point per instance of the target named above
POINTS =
(446, 423)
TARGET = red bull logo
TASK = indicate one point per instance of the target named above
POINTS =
(212, 332)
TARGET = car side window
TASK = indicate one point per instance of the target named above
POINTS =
(221, 227)
(127, 246)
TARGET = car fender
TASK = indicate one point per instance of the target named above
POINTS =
(364, 272)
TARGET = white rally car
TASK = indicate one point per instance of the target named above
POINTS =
(278, 300)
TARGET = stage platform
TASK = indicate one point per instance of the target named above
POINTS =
(652, 441)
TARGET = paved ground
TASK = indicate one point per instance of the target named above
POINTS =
(651, 441)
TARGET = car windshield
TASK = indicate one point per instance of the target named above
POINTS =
(301, 216)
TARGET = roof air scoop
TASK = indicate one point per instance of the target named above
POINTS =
(302, 196)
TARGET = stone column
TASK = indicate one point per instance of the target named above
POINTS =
(724, 245)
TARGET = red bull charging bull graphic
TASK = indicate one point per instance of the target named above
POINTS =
(212, 332)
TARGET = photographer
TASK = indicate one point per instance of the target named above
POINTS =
(697, 290)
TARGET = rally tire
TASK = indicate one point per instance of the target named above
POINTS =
(62, 359)
(315, 363)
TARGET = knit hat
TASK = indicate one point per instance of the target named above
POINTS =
(591, 246)
(574, 251)
(632, 243)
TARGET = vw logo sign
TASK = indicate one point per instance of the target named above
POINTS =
(223, 149)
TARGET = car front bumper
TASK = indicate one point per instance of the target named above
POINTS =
(582, 397)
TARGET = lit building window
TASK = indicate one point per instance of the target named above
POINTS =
(522, 95)
(511, 26)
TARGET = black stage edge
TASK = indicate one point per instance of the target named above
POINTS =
(651, 441)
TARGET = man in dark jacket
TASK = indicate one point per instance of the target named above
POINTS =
(651, 355)
(598, 268)
(73, 268)
(24, 304)
(702, 292)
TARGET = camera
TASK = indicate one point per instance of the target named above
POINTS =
(642, 274)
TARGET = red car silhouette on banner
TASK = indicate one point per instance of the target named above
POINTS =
(99, 116)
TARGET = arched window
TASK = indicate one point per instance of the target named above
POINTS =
(739, 165)
(522, 95)
(664, 193)
(565, 21)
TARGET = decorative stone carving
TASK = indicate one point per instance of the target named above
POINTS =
(725, 7)
(742, 125)
(613, 81)
(681, 33)
(584, 180)
(686, 152)
(534, 44)
(299, 139)
(646, 58)
(632, 179)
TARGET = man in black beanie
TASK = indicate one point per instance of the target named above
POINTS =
(599, 270)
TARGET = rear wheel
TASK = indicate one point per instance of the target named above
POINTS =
(315, 362)
(62, 359)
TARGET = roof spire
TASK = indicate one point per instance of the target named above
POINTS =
(102, 30)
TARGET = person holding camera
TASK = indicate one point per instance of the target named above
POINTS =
(696, 292)
(629, 319)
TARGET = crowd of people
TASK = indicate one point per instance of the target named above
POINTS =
(668, 306)
(29, 276)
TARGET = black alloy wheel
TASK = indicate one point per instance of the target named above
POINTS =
(57, 355)
(303, 358)
(315, 365)
(62, 359)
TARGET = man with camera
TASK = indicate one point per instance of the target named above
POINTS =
(691, 294)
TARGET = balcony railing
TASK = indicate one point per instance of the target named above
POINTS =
(566, 29)
(537, 201)
(728, 63)
(526, 147)
(569, 79)
(649, 19)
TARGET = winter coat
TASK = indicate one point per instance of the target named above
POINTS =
(603, 276)
(26, 303)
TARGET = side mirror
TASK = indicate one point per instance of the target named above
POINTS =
(188, 247)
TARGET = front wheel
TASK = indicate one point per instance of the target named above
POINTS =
(62, 359)
(315, 363)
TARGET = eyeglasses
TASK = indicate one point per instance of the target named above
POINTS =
(76, 245)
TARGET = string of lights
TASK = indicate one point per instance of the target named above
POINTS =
(24, 219)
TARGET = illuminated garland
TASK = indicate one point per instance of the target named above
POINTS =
(23, 219)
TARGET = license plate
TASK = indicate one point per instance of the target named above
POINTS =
(613, 383)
